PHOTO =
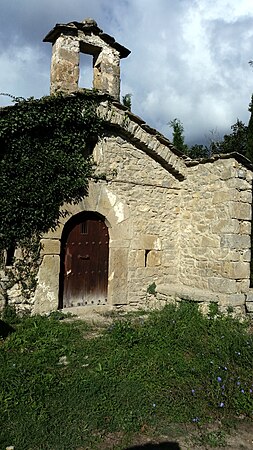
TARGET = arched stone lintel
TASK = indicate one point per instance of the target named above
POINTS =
(110, 206)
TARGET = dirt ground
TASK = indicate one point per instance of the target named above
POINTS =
(186, 437)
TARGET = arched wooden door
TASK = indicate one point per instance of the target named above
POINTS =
(84, 261)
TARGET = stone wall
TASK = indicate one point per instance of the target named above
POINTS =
(182, 225)
(140, 203)
(191, 237)
(215, 229)
(151, 195)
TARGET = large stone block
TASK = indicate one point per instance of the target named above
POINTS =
(249, 296)
(225, 196)
(235, 241)
(47, 292)
(122, 231)
(246, 196)
(236, 270)
(210, 241)
(50, 246)
(238, 183)
(246, 255)
(136, 259)
(147, 242)
(120, 243)
(249, 307)
(243, 285)
(153, 258)
(225, 226)
(118, 275)
(222, 285)
(242, 211)
(232, 300)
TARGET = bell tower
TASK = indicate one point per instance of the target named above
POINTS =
(71, 39)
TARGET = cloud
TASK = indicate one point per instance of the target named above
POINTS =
(189, 58)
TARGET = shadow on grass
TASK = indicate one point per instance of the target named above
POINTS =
(162, 446)
(5, 329)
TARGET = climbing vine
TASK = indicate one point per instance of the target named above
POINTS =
(44, 162)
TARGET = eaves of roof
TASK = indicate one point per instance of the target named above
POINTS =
(126, 124)
(219, 156)
(72, 28)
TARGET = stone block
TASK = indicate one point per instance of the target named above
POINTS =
(225, 196)
(238, 183)
(232, 300)
(136, 259)
(212, 241)
(47, 291)
(69, 55)
(122, 231)
(187, 293)
(230, 255)
(242, 173)
(118, 274)
(153, 258)
(140, 258)
(54, 234)
(50, 246)
(118, 213)
(246, 197)
(119, 243)
(249, 296)
(210, 213)
(226, 226)
(247, 255)
(147, 242)
(245, 227)
(228, 172)
(239, 210)
(249, 307)
(243, 285)
(236, 270)
(235, 241)
(222, 285)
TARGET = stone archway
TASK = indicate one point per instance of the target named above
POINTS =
(84, 261)
(107, 206)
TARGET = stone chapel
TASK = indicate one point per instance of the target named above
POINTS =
(158, 218)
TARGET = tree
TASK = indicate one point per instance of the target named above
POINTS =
(178, 135)
(240, 140)
(127, 101)
(198, 151)
(237, 141)
(249, 147)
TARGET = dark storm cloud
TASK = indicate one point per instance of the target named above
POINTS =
(189, 57)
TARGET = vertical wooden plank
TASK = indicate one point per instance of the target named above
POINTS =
(86, 261)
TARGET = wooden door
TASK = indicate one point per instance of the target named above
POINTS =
(85, 262)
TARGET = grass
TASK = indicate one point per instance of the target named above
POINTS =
(62, 389)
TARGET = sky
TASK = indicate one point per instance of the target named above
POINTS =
(189, 58)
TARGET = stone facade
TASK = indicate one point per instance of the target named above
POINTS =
(184, 225)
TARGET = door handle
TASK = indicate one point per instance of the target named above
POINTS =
(84, 257)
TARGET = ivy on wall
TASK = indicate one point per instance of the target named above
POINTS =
(44, 161)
